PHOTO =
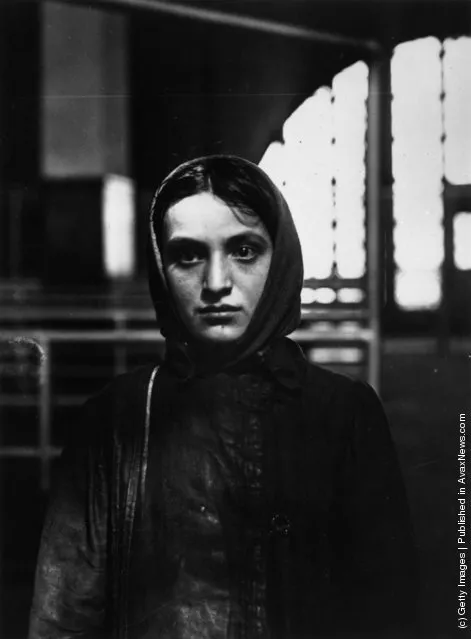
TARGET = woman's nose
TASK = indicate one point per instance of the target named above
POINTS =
(217, 276)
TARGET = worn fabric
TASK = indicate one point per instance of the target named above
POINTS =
(319, 544)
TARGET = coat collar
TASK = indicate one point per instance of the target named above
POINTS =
(282, 359)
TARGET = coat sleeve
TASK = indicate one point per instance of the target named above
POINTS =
(69, 596)
(373, 541)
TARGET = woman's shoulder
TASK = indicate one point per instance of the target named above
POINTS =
(339, 393)
(118, 407)
(125, 387)
(321, 384)
(328, 383)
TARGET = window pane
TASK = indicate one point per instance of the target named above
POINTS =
(350, 90)
(462, 241)
(325, 139)
(417, 157)
(418, 246)
(302, 169)
(418, 289)
(457, 105)
(118, 226)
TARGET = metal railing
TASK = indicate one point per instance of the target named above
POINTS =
(38, 346)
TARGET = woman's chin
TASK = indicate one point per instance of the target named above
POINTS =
(221, 334)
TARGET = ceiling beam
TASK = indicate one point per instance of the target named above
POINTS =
(218, 17)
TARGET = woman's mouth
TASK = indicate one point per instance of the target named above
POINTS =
(219, 310)
(216, 315)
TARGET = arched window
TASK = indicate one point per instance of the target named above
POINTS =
(431, 128)
(320, 168)
(417, 166)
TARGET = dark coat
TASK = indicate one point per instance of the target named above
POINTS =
(339, 555)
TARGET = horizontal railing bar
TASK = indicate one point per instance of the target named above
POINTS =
(19, 401)
(30, 452)
(334, 314)
(341, 335)
(128, 315)
(31, 401)
(133, 335)
(71, 314)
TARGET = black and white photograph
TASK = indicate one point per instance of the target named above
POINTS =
(235, 319)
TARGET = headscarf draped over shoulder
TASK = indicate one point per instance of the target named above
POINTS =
(278, 311)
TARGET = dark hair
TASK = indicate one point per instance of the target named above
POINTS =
(240, 184)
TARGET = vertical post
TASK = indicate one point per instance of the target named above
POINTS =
(443, 314)
(443, 324)
(4, 249)
(373, 201)
(388, 310)
(119, 347)
(45, 413)
(19, 130)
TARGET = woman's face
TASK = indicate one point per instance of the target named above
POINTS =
(216, 266)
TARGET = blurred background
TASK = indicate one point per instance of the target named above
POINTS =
(358, 109)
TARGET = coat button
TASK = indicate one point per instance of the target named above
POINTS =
(280, 524)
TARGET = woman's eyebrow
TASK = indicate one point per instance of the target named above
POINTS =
(244, 236)
(247, 237)
(184, 241)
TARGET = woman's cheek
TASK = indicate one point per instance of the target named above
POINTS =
(185, 290)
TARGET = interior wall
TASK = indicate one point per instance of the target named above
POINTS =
(84, 92)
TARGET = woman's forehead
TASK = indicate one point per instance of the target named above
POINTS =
(205, 217)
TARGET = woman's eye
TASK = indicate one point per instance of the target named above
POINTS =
(246, 253)
(187, 257)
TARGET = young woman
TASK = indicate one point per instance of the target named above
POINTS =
(236, 491)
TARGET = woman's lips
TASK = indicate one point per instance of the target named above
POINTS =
(215, 311)
(219, 315)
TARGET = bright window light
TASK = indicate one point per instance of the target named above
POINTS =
(418, 246)
(415, 201)
(323, 327)
(118, 226)
(344, 355)
(350, 295)
(350, 327)
(418, 290)
(350, 90)
(325, 295)
(457, 110)
(462, 241)
(416, 113)
(308, 295)
(325, 138)
(273, 163)
(302, 170)
(417, 160)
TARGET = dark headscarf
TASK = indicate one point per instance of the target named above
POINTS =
(243, 186)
